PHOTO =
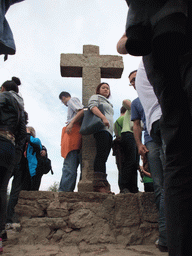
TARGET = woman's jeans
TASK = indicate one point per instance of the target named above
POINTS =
(103, 148)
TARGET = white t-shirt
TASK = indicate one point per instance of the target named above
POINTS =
(147, 97)
(74, 105)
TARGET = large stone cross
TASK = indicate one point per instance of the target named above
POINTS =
(91, 67)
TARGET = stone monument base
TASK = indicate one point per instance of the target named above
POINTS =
(71, 218)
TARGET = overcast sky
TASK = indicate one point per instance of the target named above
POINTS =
(42, 31)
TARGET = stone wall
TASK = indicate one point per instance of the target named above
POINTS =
(91, 218)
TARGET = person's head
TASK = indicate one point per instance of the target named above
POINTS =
(31, 130)
(122, 110)
(64, 97)
(132, 77)
(103, 89)
(11, 85)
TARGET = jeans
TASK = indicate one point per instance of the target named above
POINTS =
(156, 163)
(69, 171)
(128, 172)
(103, 148)
(172, 83)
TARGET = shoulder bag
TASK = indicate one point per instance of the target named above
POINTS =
(91, 123)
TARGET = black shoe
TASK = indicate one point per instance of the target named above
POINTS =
(125, 191)
(3, 235)
(162, 248)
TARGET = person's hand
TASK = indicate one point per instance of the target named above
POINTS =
(69, 128)
(142, 150)
(43, 152)
(105, 121)
(145, 163)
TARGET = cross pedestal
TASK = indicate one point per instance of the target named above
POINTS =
(91, 67)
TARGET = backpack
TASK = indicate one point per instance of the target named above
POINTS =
(44, 164)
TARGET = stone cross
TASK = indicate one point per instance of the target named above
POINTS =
(91, 67)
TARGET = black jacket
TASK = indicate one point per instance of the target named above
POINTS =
(12, 117)
(143, 18)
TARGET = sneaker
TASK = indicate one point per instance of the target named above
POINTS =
(157, 242)
(8, 226)
(3, 235)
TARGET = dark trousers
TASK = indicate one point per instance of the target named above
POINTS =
(36, 182)
(103, 148)
(5, 175)
(14, 194)
(31, 183)
(171, 77)
(18, 177)
(148, 187)
(7, 153)
(128, 172)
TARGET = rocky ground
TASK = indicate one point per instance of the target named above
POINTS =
(12, 247)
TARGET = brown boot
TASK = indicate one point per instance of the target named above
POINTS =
(100, 183)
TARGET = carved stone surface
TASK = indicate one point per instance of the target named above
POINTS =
(72, 218)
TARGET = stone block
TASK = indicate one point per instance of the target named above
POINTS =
(74, 197)
(90, 50)
(29, 208)
(57, 236)
(57, 209)
(85, 185)
(33, 195)
(81, 219)
(127, 212)
(95, 218)
(147, 201)
(130, 237)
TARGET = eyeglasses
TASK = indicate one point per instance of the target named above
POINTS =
(132, 81)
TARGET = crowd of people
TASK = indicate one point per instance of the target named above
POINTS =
(127, 147)
(159, 31)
